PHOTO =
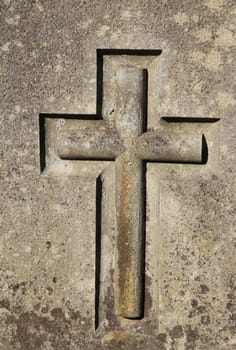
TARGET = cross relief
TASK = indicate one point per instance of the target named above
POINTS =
(122, 132)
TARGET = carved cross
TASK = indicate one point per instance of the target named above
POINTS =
(120, 133)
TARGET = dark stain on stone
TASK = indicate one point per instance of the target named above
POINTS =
(198, 311)
(162, 337)
(18, 287)
(191, 338)
(205, 319)
(57, 313)
(177, 332)
(28, 330)
(48, 244)
(54, 280)
(194, 302)
(14, 287)
(161, 341)
(45, 309)
(5, 304)
(204, 289)
(192, 334)
(214, 177)
(231, 307)
(201, 309)
(49, 290)
(75, 315)
(37, 307)
(32, 330)
(15, 308)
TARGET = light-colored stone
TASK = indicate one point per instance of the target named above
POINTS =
(48, 221)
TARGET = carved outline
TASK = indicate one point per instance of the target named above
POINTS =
(98, 116)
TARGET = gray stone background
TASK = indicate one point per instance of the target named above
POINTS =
(48, 64)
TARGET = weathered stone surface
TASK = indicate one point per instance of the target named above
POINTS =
(48, 222)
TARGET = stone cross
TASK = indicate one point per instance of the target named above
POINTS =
(122, 135)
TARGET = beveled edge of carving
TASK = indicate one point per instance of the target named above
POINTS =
(75, 168)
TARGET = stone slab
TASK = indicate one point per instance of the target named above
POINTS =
(48, 221)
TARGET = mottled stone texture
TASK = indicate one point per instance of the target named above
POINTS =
(48, 65)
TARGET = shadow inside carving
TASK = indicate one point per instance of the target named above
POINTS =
(145, 101)
(42, 142)
(204, 150)
(98, 247)
(143, 243)
(189, 120)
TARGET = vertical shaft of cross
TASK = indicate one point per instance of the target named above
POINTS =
(129, 192)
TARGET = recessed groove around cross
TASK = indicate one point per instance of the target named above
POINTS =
(119, 132)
